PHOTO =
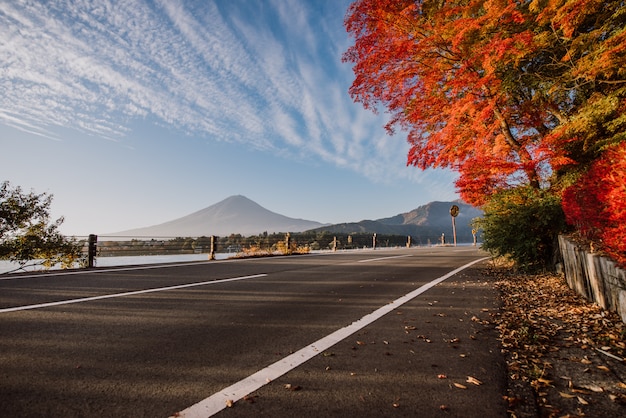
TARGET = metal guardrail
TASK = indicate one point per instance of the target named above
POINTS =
(112, 246)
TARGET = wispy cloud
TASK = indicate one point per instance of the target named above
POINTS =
(267, 74)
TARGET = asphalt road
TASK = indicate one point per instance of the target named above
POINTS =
(155, 341)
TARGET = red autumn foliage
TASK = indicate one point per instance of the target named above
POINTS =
(596, 205)
(502, 91)
(437, 68)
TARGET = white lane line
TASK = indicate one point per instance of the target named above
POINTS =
(218, 401)
(117, 295)
(384, 258)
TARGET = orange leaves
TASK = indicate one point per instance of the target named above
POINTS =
(524, 92)
(569, 16)
(436, 67)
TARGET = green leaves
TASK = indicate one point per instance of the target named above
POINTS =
(28, 236)
(522, 224)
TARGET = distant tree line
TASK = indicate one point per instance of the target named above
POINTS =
(237, 243)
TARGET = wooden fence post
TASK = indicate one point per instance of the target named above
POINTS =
(212, 250)
(91, 249)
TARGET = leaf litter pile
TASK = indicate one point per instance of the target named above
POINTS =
(565, 355)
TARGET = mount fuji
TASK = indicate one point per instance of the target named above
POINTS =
(233, 215)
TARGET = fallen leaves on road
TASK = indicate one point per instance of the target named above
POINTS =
(561, 345)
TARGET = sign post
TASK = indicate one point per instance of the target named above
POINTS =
(454, 212)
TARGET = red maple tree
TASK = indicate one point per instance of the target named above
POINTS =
(437, 70)
(504, 92)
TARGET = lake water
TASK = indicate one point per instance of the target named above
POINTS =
(6, 266)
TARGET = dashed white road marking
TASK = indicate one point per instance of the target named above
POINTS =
(117, 295)
(218, 401)
(384, 258)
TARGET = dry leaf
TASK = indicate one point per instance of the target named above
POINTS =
(592, 387)
(512, 400)
(603, 368)
(583, 391)
(566, 395)
(229, 403)
(582, 401)
(473, 380)
(460, 386)
(618, 398)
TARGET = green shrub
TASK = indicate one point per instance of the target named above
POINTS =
(523, 224)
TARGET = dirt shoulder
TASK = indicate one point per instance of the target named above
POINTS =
(565, 355)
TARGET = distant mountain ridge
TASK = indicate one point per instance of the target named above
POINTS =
(240, 215)
(435, 214)
(233, 215)
(425, 223)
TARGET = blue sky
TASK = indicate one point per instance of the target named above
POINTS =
(138, 112)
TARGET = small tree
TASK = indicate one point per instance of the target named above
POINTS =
(523, 224)
(27, 235)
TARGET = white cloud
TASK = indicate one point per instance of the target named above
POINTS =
(265, 74)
